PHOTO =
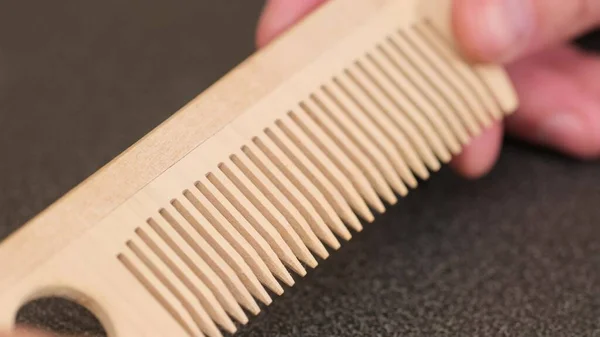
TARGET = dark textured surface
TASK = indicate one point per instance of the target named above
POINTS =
(514, 254)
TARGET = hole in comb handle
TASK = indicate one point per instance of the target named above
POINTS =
(59, 315)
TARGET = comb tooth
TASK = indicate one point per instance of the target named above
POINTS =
(347, 147)
(239, 223)
(335, 155)
(258, 219)
(366, 75)
(309, 181)
(401, 164)
(160, 294)
(260, 201)
(206, 298)
(214, 260)
(415, 68)
(456, 82)
(269, 182)
(345, 155)
(402, 109)
(351, 135)
(353, 88)
(431, 73)
(200, 268)
(328, 168)
(234, 238)
(297, 191)
(198, 314)
(354, 109)
(223, 248)
(429, 33)
(402, 74)
(283, 204)
(308, 168)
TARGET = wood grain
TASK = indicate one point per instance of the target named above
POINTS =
(252, 182)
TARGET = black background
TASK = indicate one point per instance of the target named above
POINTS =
(514, 254)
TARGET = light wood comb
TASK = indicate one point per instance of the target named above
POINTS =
(208, 216)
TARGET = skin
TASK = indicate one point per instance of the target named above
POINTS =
(558, 85)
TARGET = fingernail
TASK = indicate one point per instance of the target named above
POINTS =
(509, 23)
(561, 129)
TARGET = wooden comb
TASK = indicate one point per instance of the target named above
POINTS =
(213, 213)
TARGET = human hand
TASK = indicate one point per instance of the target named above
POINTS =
(558, 85)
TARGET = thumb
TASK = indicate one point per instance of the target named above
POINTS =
(505, 30)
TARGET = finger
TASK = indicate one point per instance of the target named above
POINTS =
(478, 157)
(578, 64)
(278, 15)
(504, 30)
(559, 102)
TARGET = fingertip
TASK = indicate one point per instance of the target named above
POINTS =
(261, 37)
(492, 31)
(279, 15)
(575, 133)
(479, 157)
(467, 30)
